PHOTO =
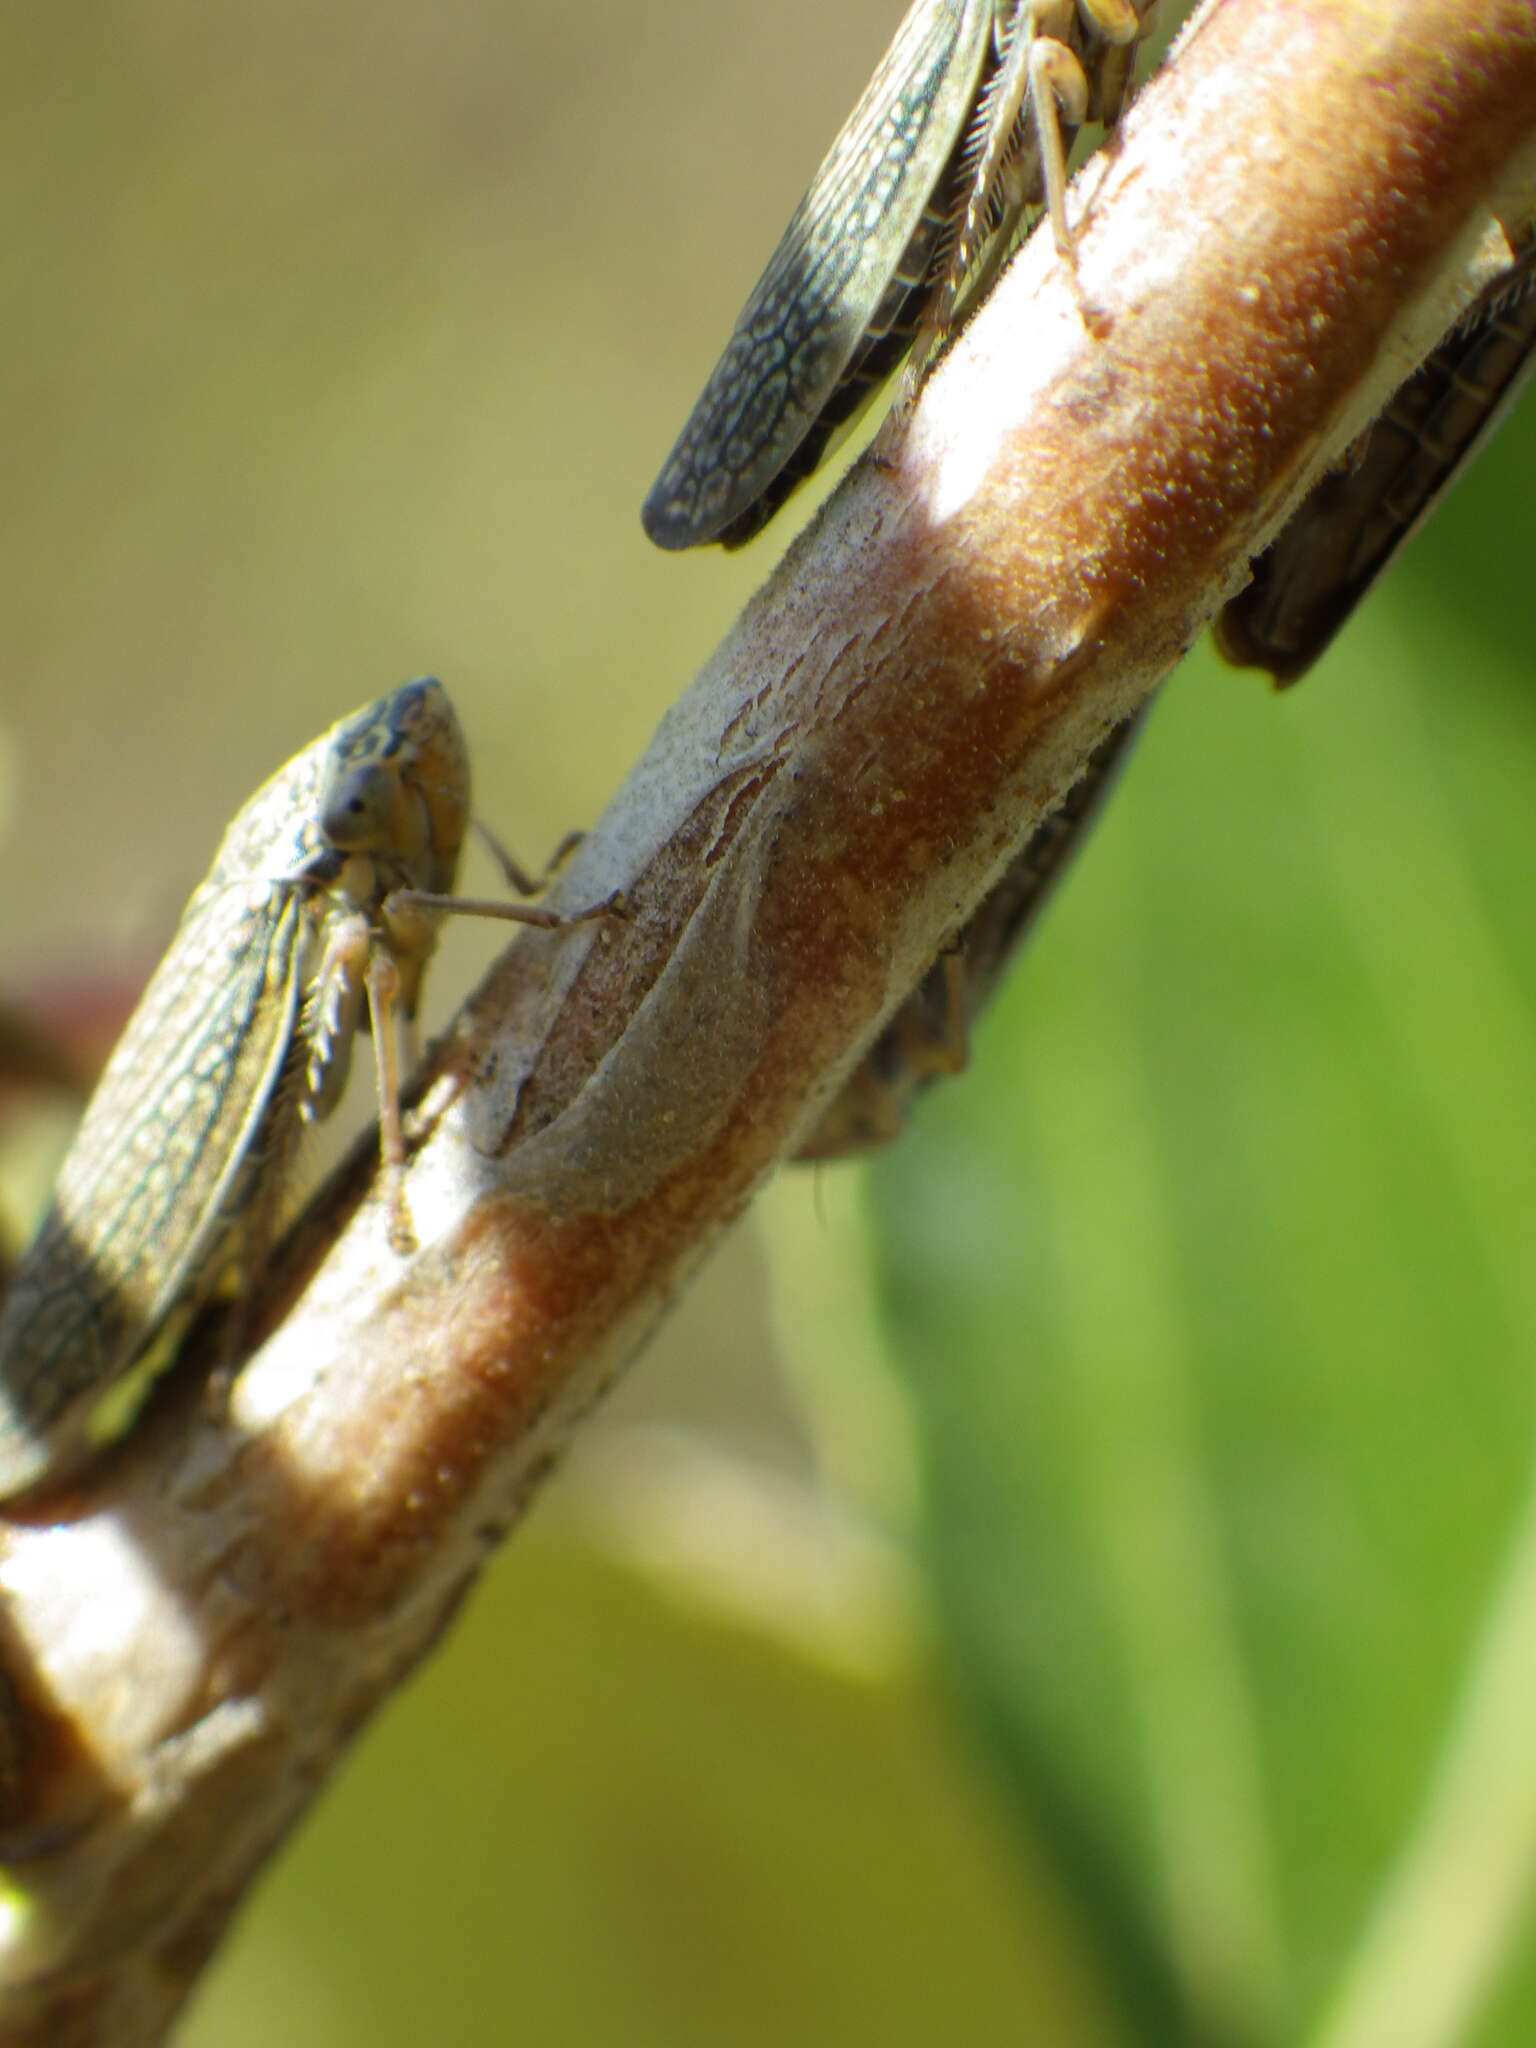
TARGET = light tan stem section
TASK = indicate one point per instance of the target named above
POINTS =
(1288, 221)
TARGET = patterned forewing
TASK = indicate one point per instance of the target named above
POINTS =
(144, 1198)
(1306, 585)
(244, 1032)
(808, 314)
(142, 1208)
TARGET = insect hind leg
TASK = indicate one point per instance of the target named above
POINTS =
(1058, 98)
(1037, 69)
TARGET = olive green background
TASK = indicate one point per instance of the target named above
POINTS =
(1031, 1596)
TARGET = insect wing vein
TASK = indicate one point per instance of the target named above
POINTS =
(1308, 582)
(147, 1188)
(804, 321)
(181, 1159)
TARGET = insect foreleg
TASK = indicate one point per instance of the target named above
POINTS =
(512, 913)
(517, 875)
(383, 1015)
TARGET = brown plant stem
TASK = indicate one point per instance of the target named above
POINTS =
(1294, 213)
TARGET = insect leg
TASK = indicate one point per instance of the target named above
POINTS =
(408, 900)
(517, 875)
(383, 1012)
(361, 965)
(934, 1033)
(1058, 96)
(952, 1047)
(1000, 112)
(332, 1015)
(407, 920)
(1117, 21)
(1037, 66)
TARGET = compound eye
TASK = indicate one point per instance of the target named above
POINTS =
(358, 811)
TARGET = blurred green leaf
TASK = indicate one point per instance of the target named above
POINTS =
(1213, 1298)
(619, 1816)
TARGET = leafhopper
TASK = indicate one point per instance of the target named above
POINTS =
(320, 911)
(1330, 552)
(965, 125)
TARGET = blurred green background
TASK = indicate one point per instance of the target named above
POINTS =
(1075, 1586)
